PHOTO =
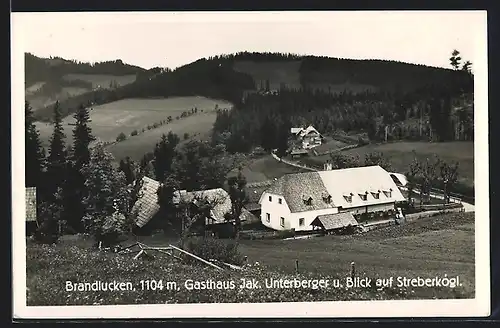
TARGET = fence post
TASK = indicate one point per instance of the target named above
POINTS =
(296, 266)
(353, 270)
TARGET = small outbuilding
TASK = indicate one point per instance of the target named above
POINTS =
(335, 223)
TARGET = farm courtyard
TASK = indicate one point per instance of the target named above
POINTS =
(427, 248)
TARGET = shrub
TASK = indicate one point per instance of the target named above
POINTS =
(134, 133)
(215, 249)
(121, 137)
(186, 136)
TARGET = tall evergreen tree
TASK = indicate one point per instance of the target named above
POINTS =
(75, 189)
(164, 154)
(238, 200)
(56, 160)
(33, 151)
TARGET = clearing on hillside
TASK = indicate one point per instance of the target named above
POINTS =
(266, 168)
(102, 80)
(197, 126)
(401, 155)
(127, 115)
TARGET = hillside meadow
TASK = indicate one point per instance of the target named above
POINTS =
(400, 154)
(428, 248)
(109, 120)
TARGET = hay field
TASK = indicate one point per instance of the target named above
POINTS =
(127, 115)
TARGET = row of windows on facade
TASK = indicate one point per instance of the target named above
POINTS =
(282, 220)
(348, 198)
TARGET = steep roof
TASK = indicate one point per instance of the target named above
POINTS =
(147, 205)
(335, 221)
(295, 188)
(30, 204)
(360, 180)
(308, 130)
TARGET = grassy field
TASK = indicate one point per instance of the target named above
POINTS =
(267, 168)
(276, 72)
(197, 126)
(127, 115)
(426, 248)
(400, 155)
(102, 80)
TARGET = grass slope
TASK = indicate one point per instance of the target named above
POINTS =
(266, 168)
(127, 115)
(426, 248)
(400, 155)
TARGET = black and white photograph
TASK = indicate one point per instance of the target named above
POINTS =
(250, 164)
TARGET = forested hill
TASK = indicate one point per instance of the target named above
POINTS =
(55, 78)
(46, 69)
(233, 77)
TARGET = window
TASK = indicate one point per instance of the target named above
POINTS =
(280, 201)
(301, 222)
(362, 196)
(270, 198)
(268, 217)
(282, 222)
(376, 195)
(388, 193)
(348, 198)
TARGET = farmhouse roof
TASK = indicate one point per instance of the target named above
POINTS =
(399, 178)
(30, 204)
(335, 221)
(295, 130)
(337, 184)
(308, 130)
(147, 205)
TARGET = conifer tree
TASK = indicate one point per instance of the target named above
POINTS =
(56, 160)
(34, 152)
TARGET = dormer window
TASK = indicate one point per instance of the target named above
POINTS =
(348, 198)
(307, 200)
(363, 196)
(388, 193)
(270, 198)
(327, 198)
(376, 194)
(280, 201)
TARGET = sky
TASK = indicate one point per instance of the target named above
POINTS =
(169, 39)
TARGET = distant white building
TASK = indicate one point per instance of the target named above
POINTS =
(294, 201)
(309, 137)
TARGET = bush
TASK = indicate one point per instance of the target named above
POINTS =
(186, 136)
(210, 248)
(134, 133)
(121, 137)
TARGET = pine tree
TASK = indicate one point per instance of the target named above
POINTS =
(56, 160)
(34, 152)
(74, 189)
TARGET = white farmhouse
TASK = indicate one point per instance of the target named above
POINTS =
(309, 137)
(294, 201)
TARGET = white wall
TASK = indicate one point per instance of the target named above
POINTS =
(308, 216)
(276, 210)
